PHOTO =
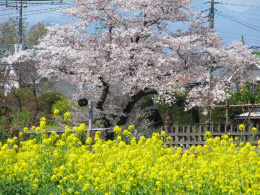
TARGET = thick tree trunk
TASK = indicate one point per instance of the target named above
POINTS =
(104, 94)
(106, 122)
(131, 103)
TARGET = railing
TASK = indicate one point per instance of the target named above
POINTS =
(104, 131)
(194, 135)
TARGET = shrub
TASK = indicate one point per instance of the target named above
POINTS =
(62, 105)
(47, 99)
(21, 98)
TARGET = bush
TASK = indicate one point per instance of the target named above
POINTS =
(21, 98)
(62, 105)
(47, 99)
(4, 134)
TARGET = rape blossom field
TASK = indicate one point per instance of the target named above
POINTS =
(64, 165)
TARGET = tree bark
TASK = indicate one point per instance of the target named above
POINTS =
(129, 107)
(104, 94)
(106, 122)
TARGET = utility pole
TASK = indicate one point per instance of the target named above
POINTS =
(211, 26)
(211, 15)
(20, 18)
(21, 23)
(242, 39)
(90, 118)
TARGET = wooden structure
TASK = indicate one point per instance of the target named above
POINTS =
(186, 137)
(235, 106)
(104, 132)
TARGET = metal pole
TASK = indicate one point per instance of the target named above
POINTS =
(21, 23)
(226, 113)
(242, 39)
(90, 118)
(211, 15)
(209, 108)
(211, 26)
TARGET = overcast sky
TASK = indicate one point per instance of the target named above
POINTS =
(233, 18)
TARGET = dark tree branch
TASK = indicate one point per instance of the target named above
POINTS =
(102, 100)
(185, 61)
(129, 107)
(63, 69)
(104, 94)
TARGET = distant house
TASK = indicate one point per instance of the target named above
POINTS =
(12, 75)
(61, 86)
(224, 74)
(184, 79)
(25, 75)
(256, 72)
(252, 117)
(8, 79)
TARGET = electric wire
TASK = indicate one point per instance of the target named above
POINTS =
(243, 5)
(34, 12)
(238, 34)
(235, 18)
(239, 22)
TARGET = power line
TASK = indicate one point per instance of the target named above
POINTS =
(243, 5)
(34, 12)
(42, 12)
(68, 6)
(237, 21)
(245, 14)
(202, 6)
(238, 34)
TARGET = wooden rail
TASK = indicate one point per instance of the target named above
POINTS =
(104, 132)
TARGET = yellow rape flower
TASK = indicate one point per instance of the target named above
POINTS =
(169, 139)
(208, 134)
(82, 126)
(67, 116)
(117, 130)
(130, 128)
(21, 135)
(97, 135)
(254, 130)
(163, 133)
(125, 132)
(43, 119)
(37, 129)
(119, 138)
(241, 127)
(25, 129)
(56, 112)
(147, 167)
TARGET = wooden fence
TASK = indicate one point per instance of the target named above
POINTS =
(194, 135)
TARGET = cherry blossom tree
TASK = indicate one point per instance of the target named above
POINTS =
(124, 50)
